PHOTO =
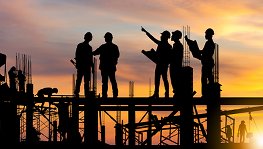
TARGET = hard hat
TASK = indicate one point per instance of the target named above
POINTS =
(210, 31)
(88, 34)
(55, 90)
(166, 34)
(108, 34)
(177, 33)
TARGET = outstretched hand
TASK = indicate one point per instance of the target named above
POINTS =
(186, 38)
(143, 29)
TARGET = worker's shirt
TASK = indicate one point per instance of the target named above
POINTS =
(163, 50)
(83, 56)
(109, 54)
(207, 53)
(176, 55)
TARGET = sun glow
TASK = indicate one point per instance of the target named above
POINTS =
(259, 140)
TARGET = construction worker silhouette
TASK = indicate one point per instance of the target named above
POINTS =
(176, 60)
(46, 91)
(206, 57)
(109, 55)
(84, 64)
(162, 53)
(21, 81)
(228, 133)
(12, 78)
(207, 61)
(242, 130)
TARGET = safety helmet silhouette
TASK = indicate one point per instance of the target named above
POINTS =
(166, 34)
(210, 31)
(108, 35)
(87, 35)
(177, 33)
(55, 90)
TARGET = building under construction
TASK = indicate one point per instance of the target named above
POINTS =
(65, 119)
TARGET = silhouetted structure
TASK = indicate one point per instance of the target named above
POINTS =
(35, 136)
(188, 133)
(84, 64)
(242, 131)
(4, 88)
(9, 122)
(176, 60)
(3, 62)
(109, 55)
(73, 137)
(162, 61)
(21, 81)
(12, 78)
(63, 113)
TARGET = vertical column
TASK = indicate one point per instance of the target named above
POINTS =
(74, 120)
(103, 134)
(102, 127)
(9, 123)
(118, 134)
(29, 114)
(55, 131)
(49, 123)
(186, 103)
(91, 121)
(149, 132)
(86, 125)
(213, 116)
(131, 118)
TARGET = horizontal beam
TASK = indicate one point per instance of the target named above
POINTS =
(235, 111)
(135, 108)
(146, 100)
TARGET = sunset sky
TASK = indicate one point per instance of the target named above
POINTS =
(49, 31)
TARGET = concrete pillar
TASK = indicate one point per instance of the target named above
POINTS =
(9, 123)
(118, 135)
(185, 97)
(213, 116)
(91, 121)
(74, 120)
(29, 114)
(55, 131)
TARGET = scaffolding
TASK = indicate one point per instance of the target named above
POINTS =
(183, 126)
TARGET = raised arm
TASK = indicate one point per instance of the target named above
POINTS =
(150, 36)
(97, 51)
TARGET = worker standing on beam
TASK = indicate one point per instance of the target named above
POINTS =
(162, 63)
(206, 57)
(84, 64)
(176, 61)
(109, 55)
